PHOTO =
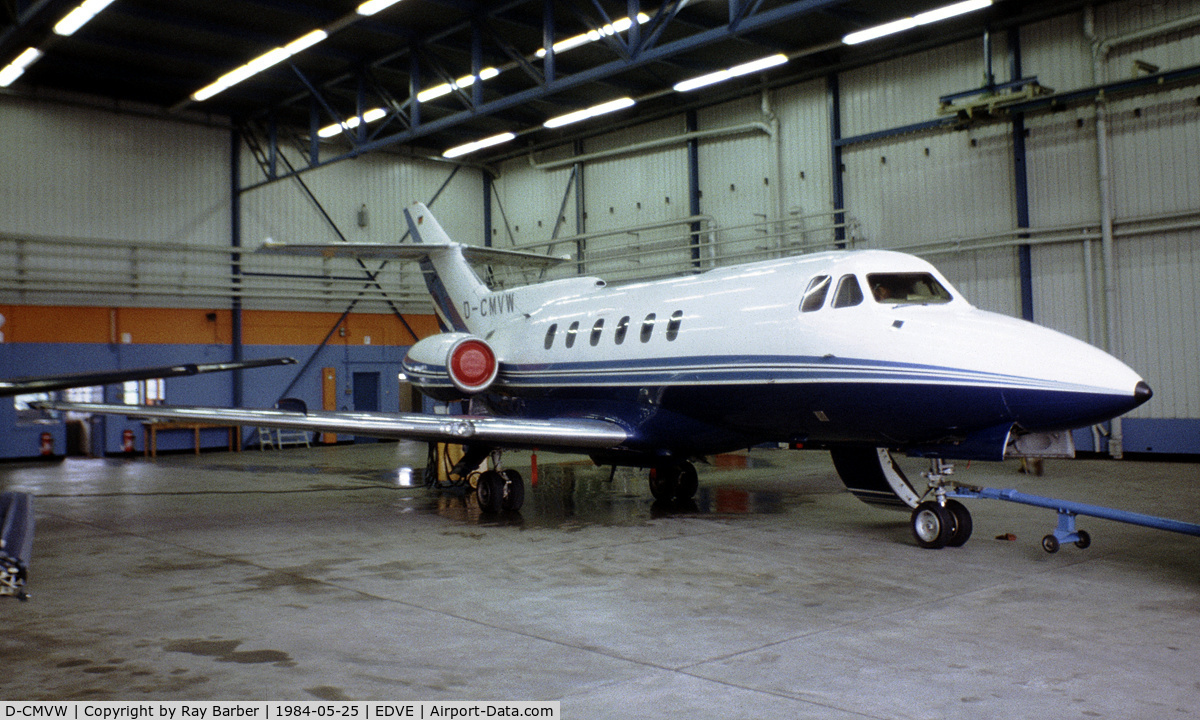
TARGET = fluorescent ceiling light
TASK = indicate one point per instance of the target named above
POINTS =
(305, 42)
(262, 62)
(579, 115)
(9, 73)
(369, 116)
(373, 6)
(438, 91)
(908, 23)
(721, 75)
(478, 145)
(79, 17)
(593, 35)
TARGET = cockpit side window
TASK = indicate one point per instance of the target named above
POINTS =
(849, 293)
(907, 289)
(814, 296)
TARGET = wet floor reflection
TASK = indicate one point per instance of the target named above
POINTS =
(573, 496)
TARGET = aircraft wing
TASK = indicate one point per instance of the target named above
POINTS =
(409, 251)
(47, 383)
(564, 433)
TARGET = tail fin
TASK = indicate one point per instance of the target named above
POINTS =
(454, 286)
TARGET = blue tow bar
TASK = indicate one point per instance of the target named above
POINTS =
(1067, 510)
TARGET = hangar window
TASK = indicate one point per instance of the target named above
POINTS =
(907, 288)
(648, 327)
(849, 293)
(144, 392)
(571, 333)
(550, 335)
(597, 331)
(622, 329)
(814, 296)
(673, 325)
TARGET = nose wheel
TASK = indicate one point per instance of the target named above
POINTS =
(936, 524)
(943, 521)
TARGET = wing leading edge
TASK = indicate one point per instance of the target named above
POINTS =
(564, 433)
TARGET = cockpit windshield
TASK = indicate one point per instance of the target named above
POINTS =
(907, 289)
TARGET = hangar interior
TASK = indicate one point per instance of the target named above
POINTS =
(1044, 155)
(1041, 154)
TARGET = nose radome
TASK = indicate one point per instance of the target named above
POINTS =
(1142, 392)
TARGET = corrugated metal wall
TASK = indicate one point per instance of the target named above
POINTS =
(72, 176)
(80, 173)
(324, 206)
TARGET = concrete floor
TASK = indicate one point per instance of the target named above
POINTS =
(309, 574)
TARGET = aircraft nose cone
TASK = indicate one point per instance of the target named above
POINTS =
(1142, 392)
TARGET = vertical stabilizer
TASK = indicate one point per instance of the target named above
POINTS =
(455, 287)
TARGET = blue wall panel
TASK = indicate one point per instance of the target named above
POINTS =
(262, 386)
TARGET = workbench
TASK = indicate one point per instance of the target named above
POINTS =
(152, 429)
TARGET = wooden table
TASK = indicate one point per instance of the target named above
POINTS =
(152, 429)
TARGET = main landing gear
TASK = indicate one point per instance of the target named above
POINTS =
(500, 490)
(674, 480)
(460, 467)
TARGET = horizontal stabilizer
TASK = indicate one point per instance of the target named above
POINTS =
(411, 251)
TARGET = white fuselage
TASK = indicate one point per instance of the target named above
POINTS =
(732, 354)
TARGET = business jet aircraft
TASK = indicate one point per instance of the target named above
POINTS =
(857, 352)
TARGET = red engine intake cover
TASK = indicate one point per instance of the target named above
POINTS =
(472, 365)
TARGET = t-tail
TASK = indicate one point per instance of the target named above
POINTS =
(457, 291)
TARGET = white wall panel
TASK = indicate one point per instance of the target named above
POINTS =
(1057, 53)
(1172, 50)
(1155, 148)
(736, 176)
(73, 172)
(906, 90)
(803, 112)
(632, 190)
(531, 199)
(385, 185)
(1157, 319)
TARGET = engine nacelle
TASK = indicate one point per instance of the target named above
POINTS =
(451, 366)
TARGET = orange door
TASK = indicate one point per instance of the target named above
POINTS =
(329, 398)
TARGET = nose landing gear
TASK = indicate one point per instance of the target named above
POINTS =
(943, 521)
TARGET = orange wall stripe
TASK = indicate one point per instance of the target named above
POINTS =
(151, 326)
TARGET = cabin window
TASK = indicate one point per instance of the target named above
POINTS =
(814, 296)
(673, 325)
(648, 327)
(849, 293)
(907, 288)
(550, 335)
(622, 329)
(597, 330)
(571, 333)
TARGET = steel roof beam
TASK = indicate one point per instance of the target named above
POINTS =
(748, 21)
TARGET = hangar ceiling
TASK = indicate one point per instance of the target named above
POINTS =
(155, 54)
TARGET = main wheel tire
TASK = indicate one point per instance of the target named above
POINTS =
(962, 524)
(674, 481)
(932, 525)
(513, 495)
(490, 491)
(689, 482)
(664, 483)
